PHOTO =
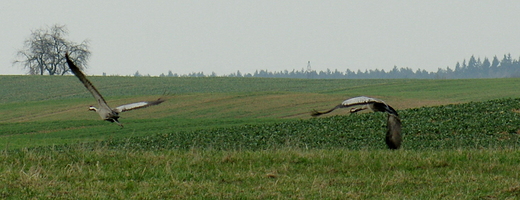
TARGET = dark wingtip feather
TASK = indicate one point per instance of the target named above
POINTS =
(75, 69)
(392, 111)
(315, 113)
(393, 134)
(158, 101)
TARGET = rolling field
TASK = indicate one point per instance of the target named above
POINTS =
(253, 138)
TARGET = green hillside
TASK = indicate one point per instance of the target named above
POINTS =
(44, 98)
(253, 138)
(53, 109)
(37, 88)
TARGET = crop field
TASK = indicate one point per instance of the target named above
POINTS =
(253, 138)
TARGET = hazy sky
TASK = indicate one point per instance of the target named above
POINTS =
(153, 37)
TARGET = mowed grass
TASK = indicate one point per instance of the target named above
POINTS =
(253, 139)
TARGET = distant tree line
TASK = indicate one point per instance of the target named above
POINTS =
(473, 68)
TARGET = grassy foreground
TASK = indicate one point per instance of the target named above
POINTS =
(100, 173)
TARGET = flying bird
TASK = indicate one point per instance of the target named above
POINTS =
(393, 134)
(361, 103)
(104, 111)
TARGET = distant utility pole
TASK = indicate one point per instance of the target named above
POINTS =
(309, 70)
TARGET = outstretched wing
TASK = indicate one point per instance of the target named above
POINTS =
(316, 113)
(376, 105)
(133, 106)
(362, 100)
(101, 101)
(381, 107)
(393, 134)
(352, 102)
(364, 103)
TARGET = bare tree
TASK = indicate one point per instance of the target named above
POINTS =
(44, 52)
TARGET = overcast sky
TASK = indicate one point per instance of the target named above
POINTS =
(153, 37)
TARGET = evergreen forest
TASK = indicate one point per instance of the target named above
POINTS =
(506, 67)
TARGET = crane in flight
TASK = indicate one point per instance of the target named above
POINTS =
(104, 111)
(393, 134)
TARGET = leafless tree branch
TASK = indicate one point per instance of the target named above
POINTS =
(44, 52)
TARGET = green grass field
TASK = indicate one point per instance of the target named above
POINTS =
(253, 138)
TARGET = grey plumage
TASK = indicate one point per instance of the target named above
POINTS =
(104, 111)
(361, 103)
(393, 134)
